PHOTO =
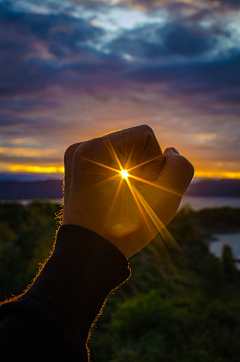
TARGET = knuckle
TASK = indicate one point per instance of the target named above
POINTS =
(93, 149)
(186, 165)
(147, 132)
(68, 155)
(146, 129)
(87, 147)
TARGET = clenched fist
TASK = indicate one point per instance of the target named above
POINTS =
(127, 211)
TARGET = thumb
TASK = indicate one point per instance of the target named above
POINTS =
(177, 171)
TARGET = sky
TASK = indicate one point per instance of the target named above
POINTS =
(73, 70)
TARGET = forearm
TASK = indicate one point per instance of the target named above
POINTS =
(69, 292)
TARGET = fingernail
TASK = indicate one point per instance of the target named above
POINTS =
(172, 149)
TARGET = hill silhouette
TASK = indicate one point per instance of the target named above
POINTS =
(52, 189)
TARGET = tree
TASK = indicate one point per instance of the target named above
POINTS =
(228, 263)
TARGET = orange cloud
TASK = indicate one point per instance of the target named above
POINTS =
(27, 152)
(36, 169)
(60, 169)
(218, 174)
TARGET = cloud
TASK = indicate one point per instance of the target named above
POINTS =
(72, 71)
(229, 97)
(40, 50)
(36, 48)
(232, 4)
(173, 39)
(14, 125)
(25, 104)
(219, 79)
(156, 3)
(187, 41)
(31, 160)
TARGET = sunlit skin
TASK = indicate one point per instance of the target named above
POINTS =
(123, 188)
(150, 218)
(146, 213)
(145, 208)
(127, 196)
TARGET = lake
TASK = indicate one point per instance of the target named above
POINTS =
(215, 247)
(198, 203)
(232, 239)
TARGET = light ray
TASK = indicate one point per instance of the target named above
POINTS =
(144, 163)
(168, 257)
(152, 184)
(99, 164)
(159, 226)
(101, 182)
(156, 221)
(145, 209)
(130, 155)
(115, 198)
(150, 218)
(118, 191)
(138, 204)
(154, 218)
(115, 154)
(139, 199)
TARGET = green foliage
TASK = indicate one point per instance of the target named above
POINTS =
(218, 219)
(180, 304)
(176, 307)
(183, 228)
(228, 263)
(6, 234)
(26, 239)
(148, 327)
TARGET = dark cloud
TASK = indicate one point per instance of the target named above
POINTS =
(33, 47)
(173, 39)
(137, 47)
(11, 126)
(153, 4)
(25, 104)
(52, 27)
(232, 4)
(198, 76)
(230, 97)
(187, 41)
(63, 78)
(29, 75)
(42, 50)
(6, 121)
(31, 160)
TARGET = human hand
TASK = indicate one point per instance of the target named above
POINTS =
(127, 212)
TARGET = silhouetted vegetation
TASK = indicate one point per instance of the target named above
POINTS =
(218, 219)
(26, 238)
(227, 260)
(180, 304)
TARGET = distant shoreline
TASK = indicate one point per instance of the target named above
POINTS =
(27, 201)
(198, 202)
(195, 202)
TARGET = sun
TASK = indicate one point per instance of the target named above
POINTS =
(124, 174)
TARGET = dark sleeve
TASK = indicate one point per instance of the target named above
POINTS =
(51, 321)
